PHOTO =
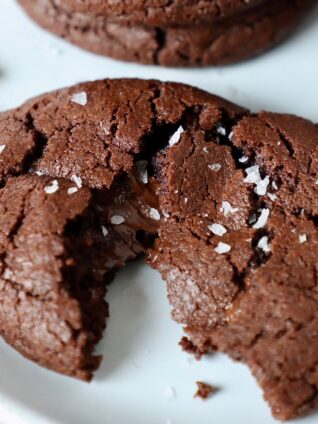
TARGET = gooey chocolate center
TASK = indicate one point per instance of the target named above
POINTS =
(129, 220)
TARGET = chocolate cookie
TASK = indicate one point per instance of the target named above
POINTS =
(236, 38)
(222, 202)
(159, 12)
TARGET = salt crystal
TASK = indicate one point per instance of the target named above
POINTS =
(39, 173)
(117, 219)
(243, 159)
(72, 190)
(52, 188)
(175, 138)
(2, 147)
(205, 149)
(221, 130)
(254, 177)
(272, 196)
(227, 208)
(77, 180)
(104, 231)
(302, 238)
(316, 182)
(142, 171)
(217, 229)
(170, 393)
(215, 167)
(261, 187)
(274, 185)
(263, 244)
(222, 248)
(79, 98)
(262, 220)
(154, 214)
(231, 136)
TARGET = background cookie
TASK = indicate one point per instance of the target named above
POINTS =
(159, 12)
(236, 38)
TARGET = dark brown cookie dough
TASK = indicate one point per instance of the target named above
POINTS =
(223, 203)
(159, 12)
(230, 40)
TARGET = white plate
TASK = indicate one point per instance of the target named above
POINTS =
(143, 363)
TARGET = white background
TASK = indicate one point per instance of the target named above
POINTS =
(142, 360)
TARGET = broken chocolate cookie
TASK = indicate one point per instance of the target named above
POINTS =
(221, 202)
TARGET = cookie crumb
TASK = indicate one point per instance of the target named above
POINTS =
(204, 391)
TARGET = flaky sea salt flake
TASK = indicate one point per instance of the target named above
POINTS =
(175, 138)
(227, 208)
(79, 98)
(262, 219)
(52, 188)
(215, 167)
(104, 231)
(264, 245)
(217, 229)
(243, 159)
(261, 186)
(2, 147)
(154, 214)
(72, 190)
(117, 219)
(302, 238)
(222, 248)
(221, 130)
(77, 180)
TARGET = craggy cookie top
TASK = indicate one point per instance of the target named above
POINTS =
(96, 130)
(160, 12)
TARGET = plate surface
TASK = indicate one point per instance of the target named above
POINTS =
(145, 378)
